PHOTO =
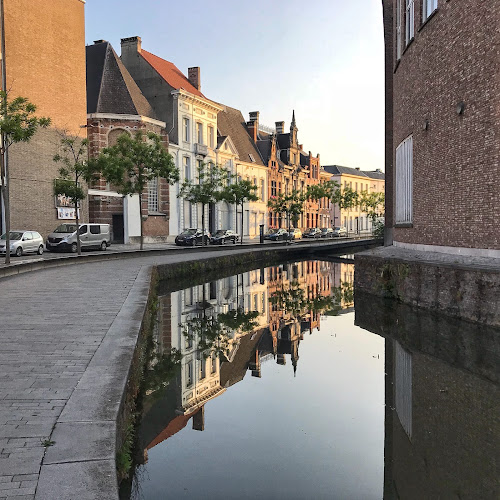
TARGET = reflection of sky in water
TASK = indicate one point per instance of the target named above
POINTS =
(317, 435)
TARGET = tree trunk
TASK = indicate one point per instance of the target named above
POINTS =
(202, 224)
(242, 222)
(78, 242)
(140, 215)
(6, 201)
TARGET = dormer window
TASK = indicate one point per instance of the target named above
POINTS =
(252, 159)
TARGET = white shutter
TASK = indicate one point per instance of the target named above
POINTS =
(404, 181)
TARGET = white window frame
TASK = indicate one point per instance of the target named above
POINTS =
(398, 30)
(185, 129)
(404, 182)
(153, 195)
(186, 161)
(199, 132)
(428, 7)
(409, 21)
(211, 136)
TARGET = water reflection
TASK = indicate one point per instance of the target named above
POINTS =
(442, 421)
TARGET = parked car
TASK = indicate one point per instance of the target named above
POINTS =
(277, 235)
(222, 236)
(339, 231)
(312, 232)
(96, 236)
(295, 234)
(22, 242)
(192, 236)
(326, 232)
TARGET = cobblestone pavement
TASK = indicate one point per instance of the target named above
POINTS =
(52, 323)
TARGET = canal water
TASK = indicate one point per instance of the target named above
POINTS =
(269, 385)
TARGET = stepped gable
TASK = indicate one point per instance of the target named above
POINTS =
(110, 88)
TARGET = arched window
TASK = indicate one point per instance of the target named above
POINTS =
(114, 134)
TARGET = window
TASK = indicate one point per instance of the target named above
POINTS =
(203, 366)
(187, 167)
(252, 159)
(410, 21)
(95, 229)
(199, 132)
(429, 7)
(262, 189)
(214, 363)
(83, 229)
(211, 137)
(153, 195)
(189, 373)
(273, 188)
(185, 131)
(398, 30)
(404, 181)
(403, 375)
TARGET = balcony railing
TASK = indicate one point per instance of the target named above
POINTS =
(200, 149)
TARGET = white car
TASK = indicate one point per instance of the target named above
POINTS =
(22, 242)
(339, 231)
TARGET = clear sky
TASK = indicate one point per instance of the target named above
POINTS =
(323, 58)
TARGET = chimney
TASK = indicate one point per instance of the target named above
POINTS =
(280, 127)
(253, 125)
(131, 44)
(301, 146)
(199, 420)
(357, 168)
(194, 77)
(99, 41)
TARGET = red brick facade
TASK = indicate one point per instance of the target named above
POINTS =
(453, 58)
(102, 209)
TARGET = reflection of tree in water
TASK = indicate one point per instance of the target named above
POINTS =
(215, 332)
(292, 299)
(162, 369)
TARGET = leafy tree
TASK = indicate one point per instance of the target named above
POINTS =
(238, 193)
(17, 124)
(291, 205)
(133, 162)
(373, 205)
(206, 189)
(75, 168)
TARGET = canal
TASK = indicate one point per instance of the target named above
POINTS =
(269, 384)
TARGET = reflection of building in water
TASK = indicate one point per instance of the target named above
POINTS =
(442, 418)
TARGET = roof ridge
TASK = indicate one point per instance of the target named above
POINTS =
(108, 45)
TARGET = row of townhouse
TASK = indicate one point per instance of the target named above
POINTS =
(93, 93)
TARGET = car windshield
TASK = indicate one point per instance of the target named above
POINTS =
(188, 232)
(220, 232)
(66, 228)
(14, 235)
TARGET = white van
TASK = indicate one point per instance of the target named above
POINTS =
(95, 236)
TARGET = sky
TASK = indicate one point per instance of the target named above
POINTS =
(322, 58)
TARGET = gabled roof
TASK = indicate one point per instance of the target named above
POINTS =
(170, 73)
(264, 147)
(339, 170)
(110, 88)
(230, 122)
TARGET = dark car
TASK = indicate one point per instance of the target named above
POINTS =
(326, 232)
(312, 232)
(277, 235)
(222, 236)
(192, 236)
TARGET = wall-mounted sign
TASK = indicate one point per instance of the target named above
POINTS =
(66, 213)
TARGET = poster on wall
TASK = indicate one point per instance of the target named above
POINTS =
(66, 213)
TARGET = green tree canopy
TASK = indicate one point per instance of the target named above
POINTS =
(135, 161)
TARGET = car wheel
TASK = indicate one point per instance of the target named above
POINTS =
(193, 242)
(206, 241)
(19, 251)
(74, 247)
(104, 246)
(40, 250)
(235, 240)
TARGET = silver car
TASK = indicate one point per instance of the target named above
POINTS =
(22, 242)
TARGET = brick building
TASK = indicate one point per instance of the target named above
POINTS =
(115, 105)
(443, 125)
(44, 62)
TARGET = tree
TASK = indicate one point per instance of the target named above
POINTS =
(345, 198)
(373, 204)
(238, 193)
(73, 156)
(205, 190)
(291, 205)
(318, 191)
(133, 162)
(17, 124)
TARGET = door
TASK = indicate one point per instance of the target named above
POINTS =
(118, 229)
(84, 236)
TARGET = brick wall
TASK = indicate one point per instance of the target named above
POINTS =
(456, 161)
(156, 226)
